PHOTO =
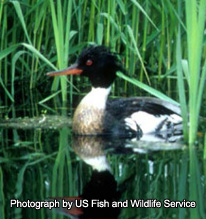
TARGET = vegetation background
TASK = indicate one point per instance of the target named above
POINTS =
(162, 45)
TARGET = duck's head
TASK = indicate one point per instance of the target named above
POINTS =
(97, 63)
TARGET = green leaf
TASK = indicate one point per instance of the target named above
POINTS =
(147, 88)
(38, 54)
(21, 18)
(144, 12)
(4, 53)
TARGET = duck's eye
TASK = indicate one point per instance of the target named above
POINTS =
(89, 62)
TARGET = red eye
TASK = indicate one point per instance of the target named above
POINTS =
(89, 62)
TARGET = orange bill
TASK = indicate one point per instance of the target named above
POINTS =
(72, 70)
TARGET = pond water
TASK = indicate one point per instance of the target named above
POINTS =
(43, 165)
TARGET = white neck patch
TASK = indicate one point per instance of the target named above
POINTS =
(98, 163)
(97, 97)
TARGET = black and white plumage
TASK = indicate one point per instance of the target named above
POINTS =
(139, 117)
(150, 118)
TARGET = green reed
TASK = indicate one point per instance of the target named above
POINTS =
(195, 21)
(2, 198)
(164, 56)
(157, 47)
(192, 70)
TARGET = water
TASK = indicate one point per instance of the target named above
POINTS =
(40, 160)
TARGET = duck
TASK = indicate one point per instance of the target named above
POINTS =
(128, 117)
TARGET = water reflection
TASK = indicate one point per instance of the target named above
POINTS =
(41, 163)
(101, 191)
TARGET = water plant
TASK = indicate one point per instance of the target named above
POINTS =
(163, 52)
(163, 49)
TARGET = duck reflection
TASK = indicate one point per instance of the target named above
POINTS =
(92, 151)
(99, 193)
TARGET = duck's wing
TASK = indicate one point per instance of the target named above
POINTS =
(147, 116)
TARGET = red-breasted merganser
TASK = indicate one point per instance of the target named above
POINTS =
(125, 117)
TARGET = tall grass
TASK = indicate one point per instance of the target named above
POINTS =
(157, 45)
(195, 22)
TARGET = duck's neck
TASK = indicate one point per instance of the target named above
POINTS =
(88, 117)
(96, 98)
